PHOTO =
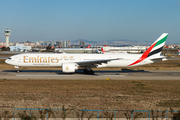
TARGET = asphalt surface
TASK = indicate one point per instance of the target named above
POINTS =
(124, 74)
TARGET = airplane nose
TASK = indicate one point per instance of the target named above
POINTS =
(6, 61)
(9, 61)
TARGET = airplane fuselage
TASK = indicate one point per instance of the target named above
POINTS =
(71, 62)
(57, 59)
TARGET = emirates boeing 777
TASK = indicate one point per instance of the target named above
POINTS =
(72, 62)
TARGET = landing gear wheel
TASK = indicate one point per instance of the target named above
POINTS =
(85, 71)
(91, 72)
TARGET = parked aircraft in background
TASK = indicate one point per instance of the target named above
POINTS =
(78, 50)
(103, 51)
(129, 49)
(72, 62)
(111, 52)
(89, 46)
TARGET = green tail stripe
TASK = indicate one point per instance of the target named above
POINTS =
(161, 41)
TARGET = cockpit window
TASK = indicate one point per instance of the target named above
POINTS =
(9, 58)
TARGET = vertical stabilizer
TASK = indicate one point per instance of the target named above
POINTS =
(158, 45)
(154, 50)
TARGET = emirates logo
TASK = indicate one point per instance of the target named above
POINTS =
(67, 68)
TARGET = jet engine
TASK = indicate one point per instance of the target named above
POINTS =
(69, 67)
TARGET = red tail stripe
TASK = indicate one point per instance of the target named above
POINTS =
(103, 50)
(144, 56)
(89, 46)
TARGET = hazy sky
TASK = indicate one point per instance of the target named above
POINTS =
(141, 20)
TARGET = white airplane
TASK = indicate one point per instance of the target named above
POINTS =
(71, 62)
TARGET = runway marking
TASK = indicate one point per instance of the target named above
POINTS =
(70, 75)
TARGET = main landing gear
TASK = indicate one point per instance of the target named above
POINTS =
(90, 72)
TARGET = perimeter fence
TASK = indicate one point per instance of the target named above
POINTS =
(83, 114)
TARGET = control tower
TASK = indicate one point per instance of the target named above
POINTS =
(7, 33)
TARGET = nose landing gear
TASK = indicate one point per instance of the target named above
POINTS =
(17, 67)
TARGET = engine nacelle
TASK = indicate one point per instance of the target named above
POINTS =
(69, 67)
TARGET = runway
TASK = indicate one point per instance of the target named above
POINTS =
(124, 74)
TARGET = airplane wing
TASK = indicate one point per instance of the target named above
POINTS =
(94, 63)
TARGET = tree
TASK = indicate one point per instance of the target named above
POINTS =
(5, 48)
(48, 47)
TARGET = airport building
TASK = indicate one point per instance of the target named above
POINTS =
(20, 48)
(78, 50)
(81, 44)
(64, 44)
(130, 49)
(4, 44)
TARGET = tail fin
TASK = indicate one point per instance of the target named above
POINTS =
(89, 46)
(154, 50)
(103, 51)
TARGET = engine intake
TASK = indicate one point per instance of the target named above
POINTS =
(69, 67)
